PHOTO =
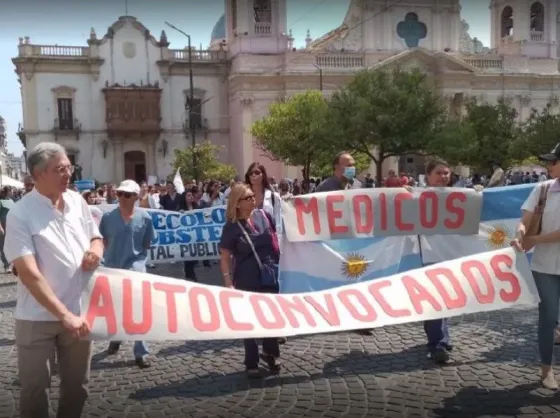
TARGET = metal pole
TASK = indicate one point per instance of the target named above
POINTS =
(320, 76)
(191, 97)
(191, 105)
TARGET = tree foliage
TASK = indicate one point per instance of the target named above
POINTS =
(540, 133)
(486, 134)
(296, 131)
(385, 114)
(208, 166)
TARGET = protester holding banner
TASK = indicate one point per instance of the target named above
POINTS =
(249, 261)
(187, 205)
(127, 234)
(438, 174)
(171, 200)
(540, 228)
(51, 238)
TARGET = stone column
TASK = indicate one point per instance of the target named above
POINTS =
(246, 122)
(551, 25)
(119, 160)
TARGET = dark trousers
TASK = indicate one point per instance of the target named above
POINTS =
(437, 332)
(4, 261)
(188, 268)
(269, 345)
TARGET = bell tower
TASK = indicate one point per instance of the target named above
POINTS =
(524, 27)
(256, 26)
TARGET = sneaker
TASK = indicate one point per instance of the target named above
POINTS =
(439, 356)
(143, 363)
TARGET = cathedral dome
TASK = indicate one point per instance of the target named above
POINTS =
(219, 31)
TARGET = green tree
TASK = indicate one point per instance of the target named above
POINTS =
(295, 131)
(385, 114)
(485, 135)
(208, 166)
(540, 133)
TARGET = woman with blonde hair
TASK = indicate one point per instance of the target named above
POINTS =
(249, 261)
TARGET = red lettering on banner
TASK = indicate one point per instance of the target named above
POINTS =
(399, 223)
(334, 214)
(129, 324)
(506, 276)
(452, 205)
(225, 297)
(170, 290)
(466, 268)
(279, 321)
(298, 305)
(428, 220)
(363, 226)
(345, 297)
(418, 294)
(435, 275)
(383, 211)
(329, 314)
(101, 305)
(213, 324)
(310, 208)
(375, 290)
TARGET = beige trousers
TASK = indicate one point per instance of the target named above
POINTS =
(37, 342)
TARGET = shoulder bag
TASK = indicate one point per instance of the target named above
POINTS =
(535, 227)
(269, 272)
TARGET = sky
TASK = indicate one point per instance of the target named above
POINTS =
(68, 22)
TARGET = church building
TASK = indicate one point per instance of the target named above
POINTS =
(119, 103)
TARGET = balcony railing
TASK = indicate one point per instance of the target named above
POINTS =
(263, 28)
(537, 36)
(60, 51)
(486, 64)
(340, 61)
(198, 55)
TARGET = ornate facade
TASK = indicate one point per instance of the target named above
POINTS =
(120, 104)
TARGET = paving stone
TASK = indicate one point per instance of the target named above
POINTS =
(330, 375)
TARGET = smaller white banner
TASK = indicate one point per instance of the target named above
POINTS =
(125, 305)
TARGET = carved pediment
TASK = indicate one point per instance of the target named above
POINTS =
(426, 61)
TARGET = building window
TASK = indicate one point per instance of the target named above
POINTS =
(65, 114)
(537, 17)
(263, 11)
(507, 21)
(196, 114)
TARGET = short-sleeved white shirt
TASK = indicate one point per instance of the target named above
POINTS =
(58, 241)
(546, 257)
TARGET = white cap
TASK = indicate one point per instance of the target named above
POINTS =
(129, 186)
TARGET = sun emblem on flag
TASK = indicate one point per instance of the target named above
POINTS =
(354, 266)
(498, 237)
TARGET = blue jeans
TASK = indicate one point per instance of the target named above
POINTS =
(548, 286)
(437, 332)
(140, 348)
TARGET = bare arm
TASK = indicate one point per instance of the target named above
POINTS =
(547, 238)
(524, 223)
(225, 266)
(33, 280)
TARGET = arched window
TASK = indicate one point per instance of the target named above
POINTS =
(507, 21)
(537, 17)
(263, 11)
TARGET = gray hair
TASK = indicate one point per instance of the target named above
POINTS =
(40, 156)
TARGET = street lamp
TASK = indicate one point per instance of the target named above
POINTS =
(320, 76)
(191, 97)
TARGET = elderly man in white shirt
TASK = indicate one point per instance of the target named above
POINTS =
(52, 241)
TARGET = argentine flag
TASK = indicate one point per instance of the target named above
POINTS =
(314, 266)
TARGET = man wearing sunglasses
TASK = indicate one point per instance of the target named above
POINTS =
(127, 232)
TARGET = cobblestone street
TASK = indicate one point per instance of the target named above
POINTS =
(336, 375)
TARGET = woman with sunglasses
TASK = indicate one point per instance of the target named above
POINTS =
(249, 249)
(265, 198)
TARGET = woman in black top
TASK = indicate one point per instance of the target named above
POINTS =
(242, 269)
(188, 204)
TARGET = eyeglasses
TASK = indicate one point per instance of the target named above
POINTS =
(64, 168)
(255, 173)
(126, 195)
(250, 197)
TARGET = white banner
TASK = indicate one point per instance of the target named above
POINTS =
(363, 213)
(125, 305)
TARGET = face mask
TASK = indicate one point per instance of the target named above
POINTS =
(350, 172)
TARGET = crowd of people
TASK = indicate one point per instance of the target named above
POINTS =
(52, 241)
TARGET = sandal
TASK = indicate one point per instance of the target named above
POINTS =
(254, 373)
(270, 361)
